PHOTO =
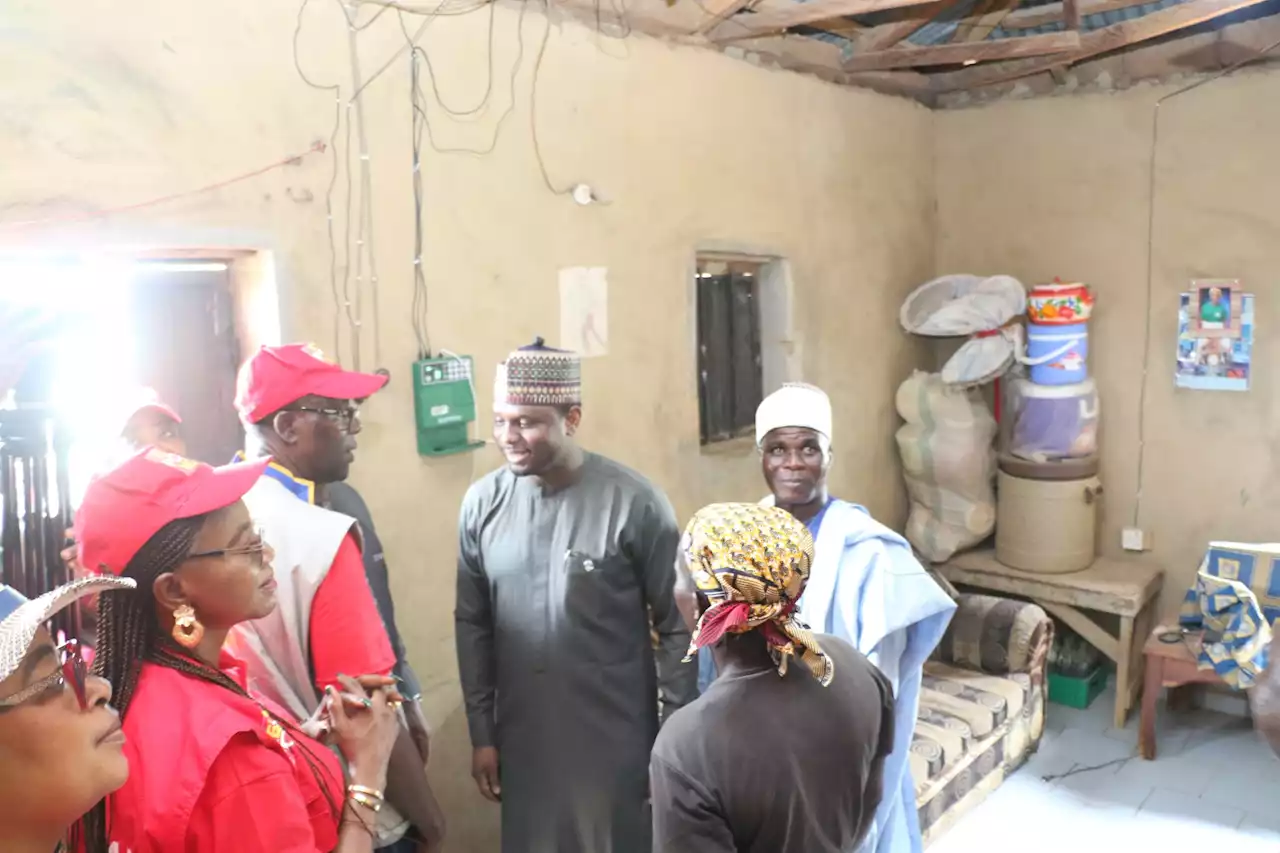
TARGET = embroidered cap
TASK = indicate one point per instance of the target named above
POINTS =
(538, 375)
(129, 504)
(277, 376)
(20, 619)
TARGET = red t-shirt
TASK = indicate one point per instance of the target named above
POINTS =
(210, 772)
(347, 634)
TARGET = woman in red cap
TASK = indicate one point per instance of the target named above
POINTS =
(150, 422)
(60, 742)
(213, 768)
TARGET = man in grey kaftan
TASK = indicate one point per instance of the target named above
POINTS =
(564, 573)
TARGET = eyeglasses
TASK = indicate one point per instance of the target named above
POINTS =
(346, 419)
(72, 671)
(254, 551)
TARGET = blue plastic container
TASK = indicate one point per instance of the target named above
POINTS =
(1057, 355)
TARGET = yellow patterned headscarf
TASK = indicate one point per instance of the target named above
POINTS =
(752, 563)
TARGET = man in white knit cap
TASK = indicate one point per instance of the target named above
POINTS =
(866, 585)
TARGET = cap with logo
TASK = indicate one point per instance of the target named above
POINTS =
(21, 619)
(129, 504)
(277, 376)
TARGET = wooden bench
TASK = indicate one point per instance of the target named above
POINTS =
(1126, 589)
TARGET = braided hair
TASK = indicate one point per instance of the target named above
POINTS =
(129, 635)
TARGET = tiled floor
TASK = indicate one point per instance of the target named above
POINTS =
(1213, 786)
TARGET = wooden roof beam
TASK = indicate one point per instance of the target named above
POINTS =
(773, 21)
(823, 59)
(717, 12)
(1104, 40)
(1071, 14)
(887, 35)
(965, 53)
(1052, 13)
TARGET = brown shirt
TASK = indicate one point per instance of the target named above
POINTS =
(768, 764)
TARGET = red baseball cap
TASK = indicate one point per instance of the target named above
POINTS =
(149, 400)
(277, 376)
(126, 506)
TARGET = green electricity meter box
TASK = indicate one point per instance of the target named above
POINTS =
(444, 403)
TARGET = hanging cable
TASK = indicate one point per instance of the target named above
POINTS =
(333, 181)
(421, 101)
(431, 74)
(1151, 220)
(419, 311)
(533, 104)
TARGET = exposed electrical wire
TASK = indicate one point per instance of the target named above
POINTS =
(348, 300)
(533, 105)
(291, 160)
(364, 244)
(431, 75)
(1151, 220)
(420, 103)
(419, 310)
(430, 15)
(333, 180)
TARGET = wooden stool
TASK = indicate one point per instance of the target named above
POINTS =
(1126, 589)
(1174, 664)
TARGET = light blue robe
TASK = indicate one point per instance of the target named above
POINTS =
(867, 587)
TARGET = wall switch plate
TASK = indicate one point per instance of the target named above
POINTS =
(1135, 539)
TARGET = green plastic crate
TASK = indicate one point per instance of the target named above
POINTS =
(1077, 692)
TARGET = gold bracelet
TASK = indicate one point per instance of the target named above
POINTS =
(367, 791)
(368, 802)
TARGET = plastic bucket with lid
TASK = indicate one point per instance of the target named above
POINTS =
(1056, 355)
(1059, 304)
(1053, 421)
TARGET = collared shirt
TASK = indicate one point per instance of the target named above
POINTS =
(347, 633)
(815, 524)
(221, 775)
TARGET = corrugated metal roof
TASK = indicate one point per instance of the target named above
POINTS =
(943, 27)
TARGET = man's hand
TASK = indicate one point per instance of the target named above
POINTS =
(484, 769)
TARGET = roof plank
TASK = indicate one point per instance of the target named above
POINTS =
(717, 12)
(965, 52)
(745, 26)
(887, 35)
(1052, 13)
(1104, 40)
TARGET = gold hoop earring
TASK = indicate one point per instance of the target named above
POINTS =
(187, 630)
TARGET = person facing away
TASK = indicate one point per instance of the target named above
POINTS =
(867, 587)
(61, 748)
(213, 766)
(298, 410)
(564, 573)
(785, 751)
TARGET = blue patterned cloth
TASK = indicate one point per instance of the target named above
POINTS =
(1237, 635)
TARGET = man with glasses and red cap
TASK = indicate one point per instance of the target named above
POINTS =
(299, 409)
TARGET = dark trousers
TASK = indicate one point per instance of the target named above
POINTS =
(404, 845)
